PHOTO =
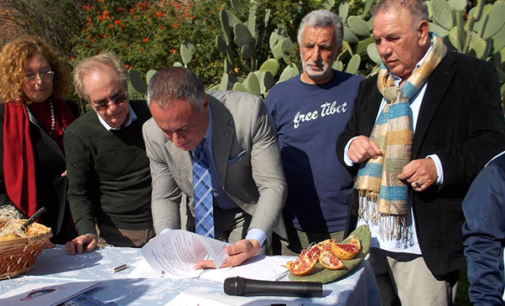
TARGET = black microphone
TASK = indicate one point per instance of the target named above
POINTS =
(243, 286)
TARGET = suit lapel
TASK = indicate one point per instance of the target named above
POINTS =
(222, 136)
(438, 83)
(372, 110)
(44, 136)
(183, 163)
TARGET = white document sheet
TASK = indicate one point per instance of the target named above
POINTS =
(259, 267)
(175, 253)
(192, 299)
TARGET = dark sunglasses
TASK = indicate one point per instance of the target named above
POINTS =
(105, 105)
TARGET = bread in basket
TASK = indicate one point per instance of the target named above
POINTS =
(18, 249)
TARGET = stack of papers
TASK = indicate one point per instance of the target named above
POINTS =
(174, 255)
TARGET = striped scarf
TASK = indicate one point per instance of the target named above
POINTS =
(381, 193)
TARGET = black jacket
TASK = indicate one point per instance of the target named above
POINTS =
(51, 186)
(461, 121)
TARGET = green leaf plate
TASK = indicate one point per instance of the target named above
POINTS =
(321, 274)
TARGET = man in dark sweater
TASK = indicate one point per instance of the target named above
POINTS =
(108, 170)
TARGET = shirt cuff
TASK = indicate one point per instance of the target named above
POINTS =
(165, 230)
(257, 235)
(347, 160)
(440, 170)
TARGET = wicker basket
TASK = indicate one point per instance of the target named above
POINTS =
(18, 256)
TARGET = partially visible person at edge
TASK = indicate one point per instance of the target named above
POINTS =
(484, 234)
(218, 150)
(108, 170)
(420, 132)
(309, 111)
(34, 116)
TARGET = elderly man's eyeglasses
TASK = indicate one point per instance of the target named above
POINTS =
(105, 105)
(48, 75)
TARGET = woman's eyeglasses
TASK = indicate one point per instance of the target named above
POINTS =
(48, 75)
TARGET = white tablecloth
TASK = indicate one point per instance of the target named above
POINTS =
(358, 287)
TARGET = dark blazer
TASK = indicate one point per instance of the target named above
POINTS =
(460, 120)
(49, 165)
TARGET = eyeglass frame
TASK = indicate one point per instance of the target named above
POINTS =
(41, 75)
(105, 105)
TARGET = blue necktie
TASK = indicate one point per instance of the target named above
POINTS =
(202, 187)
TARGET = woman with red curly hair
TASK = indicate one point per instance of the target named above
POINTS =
(33, 118)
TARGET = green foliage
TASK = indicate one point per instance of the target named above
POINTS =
(153, 34)
(480, 32)
(226, 42)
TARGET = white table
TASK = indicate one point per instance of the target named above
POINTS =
(358, 287)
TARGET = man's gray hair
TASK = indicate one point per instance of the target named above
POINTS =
(415, 7)
(175, 84)
(96, 63)
(322, 18)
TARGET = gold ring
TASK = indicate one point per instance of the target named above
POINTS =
(418, 185)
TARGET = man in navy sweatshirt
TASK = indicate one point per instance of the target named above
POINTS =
(309, 111)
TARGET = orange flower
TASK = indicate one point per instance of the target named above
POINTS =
(103, 35)
(105, 13)
(174, 25)
(132, 10)
(72, 58)
(93, 40)
(101, 18)
(100, 0)
(145, 40)
(126, 66)
(177, 5)
(173, 51)
(159, 14)
(89, 36)
(161, 26)
(141, 50)
(120, 9)
(117, 21)
(109, 26)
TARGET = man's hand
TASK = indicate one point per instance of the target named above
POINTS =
(420, 173)
(82, 243)
(362, 149)
(237, 254)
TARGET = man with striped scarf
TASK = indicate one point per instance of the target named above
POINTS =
(420, 131)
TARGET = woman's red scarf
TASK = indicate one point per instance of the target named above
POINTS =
(19, 161)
